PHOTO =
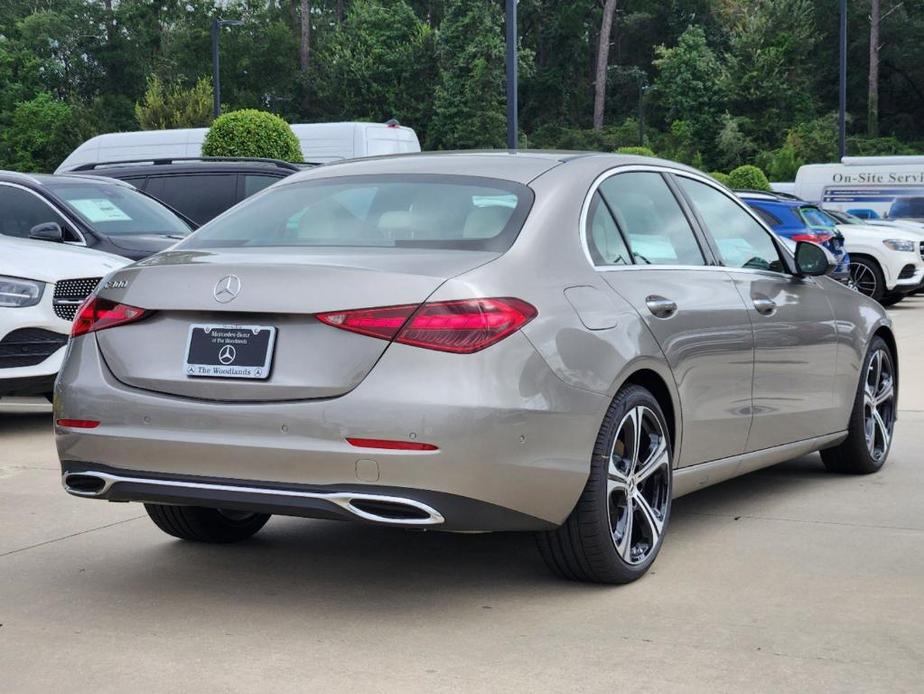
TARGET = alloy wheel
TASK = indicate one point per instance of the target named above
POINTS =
(879, 404)
(638, 485)
(863, 279)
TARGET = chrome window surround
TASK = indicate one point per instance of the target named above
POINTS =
(616, 170)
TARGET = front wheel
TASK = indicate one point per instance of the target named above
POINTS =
(872, 419)
(867, 277)
(616, 528)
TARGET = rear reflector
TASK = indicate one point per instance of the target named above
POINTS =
(820, 237)
(463, 327)
(78, 423)
(392, 445)
(99, 314)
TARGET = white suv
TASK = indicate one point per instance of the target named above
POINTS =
(41, 286)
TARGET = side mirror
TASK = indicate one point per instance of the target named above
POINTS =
(47, 231)
(813, 260)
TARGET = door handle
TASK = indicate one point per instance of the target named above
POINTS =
(764, 305)
(660, 307)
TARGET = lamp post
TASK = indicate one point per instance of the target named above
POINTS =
(217, 24)
(511, 21)
(842, 87)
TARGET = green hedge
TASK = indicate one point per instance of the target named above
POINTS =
(640, 151)
(748, 177)
(252, 133)
(720, 177)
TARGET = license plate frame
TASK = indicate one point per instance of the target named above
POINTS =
(222, 350)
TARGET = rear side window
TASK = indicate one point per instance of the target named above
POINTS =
(741, 241)
(445, 212)
(254, 183)
(768, 217)
(21, 210)
(651, 220)
(607, 247)
(198, 196)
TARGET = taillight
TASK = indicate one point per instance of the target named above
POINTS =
(98, 314)
(463, 327)
(820, 237)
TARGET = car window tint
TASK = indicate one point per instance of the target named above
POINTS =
(741, 241)
(604, 241)
(814, 217)
(199, 197)
(21, 210)
(649, 215)
(254, 183)
(768, 217)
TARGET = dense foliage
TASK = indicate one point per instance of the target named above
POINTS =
(251, 133)
(714, 83)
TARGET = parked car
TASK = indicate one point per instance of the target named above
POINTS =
(907, 208)
(96, 212)
(884, 265)
(201, 188)
(552, 342)
(798, 220)
(41, 287)
(320, 143)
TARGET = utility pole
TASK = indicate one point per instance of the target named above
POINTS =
(512, 115)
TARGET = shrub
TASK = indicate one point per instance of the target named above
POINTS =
(175, 107)
(640, 151)
(251, 133)
(748, 177)
(720, 177)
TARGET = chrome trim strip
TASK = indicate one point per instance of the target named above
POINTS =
(694, 477)
(342, 499)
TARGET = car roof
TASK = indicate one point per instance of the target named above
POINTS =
(770, 198)
(37, 180)
(520, 166)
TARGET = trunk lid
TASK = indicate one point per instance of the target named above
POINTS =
(280, 288)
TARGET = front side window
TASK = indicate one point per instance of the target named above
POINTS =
(651, 220)
(117, 210)
(21, 210)
(386, 211)
(741, 241)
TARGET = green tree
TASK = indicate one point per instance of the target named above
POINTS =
(175, 107)
(470, 110)
(689, 85)
(381, 64)
(251, 133)
(42, 132)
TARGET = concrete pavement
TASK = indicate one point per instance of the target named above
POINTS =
(789, 579)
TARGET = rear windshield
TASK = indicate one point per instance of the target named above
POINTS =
(442, 212)
(117, 210)
(816, 218)
(903, 208)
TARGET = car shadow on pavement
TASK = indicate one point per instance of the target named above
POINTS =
(382, 570)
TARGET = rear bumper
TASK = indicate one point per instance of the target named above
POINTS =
(511, 436)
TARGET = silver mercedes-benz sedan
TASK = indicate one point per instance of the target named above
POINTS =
(559, 343)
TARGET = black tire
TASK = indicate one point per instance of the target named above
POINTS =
(584, 548)
(205, 524)
(854, 456)
(867, 277)
(891, 299)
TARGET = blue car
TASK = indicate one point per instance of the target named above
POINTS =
(798, 220)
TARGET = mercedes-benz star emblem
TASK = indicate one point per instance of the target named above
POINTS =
(227, 354)
(227, 289)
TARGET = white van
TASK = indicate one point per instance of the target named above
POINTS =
(867, 187)
(320, 142)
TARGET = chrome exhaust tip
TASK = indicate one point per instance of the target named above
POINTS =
(86, 483)
(389, 509)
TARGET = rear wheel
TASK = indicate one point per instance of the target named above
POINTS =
(891, 299)
(867, 277)
(206, 524)
(873, 417)
(615, 531)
